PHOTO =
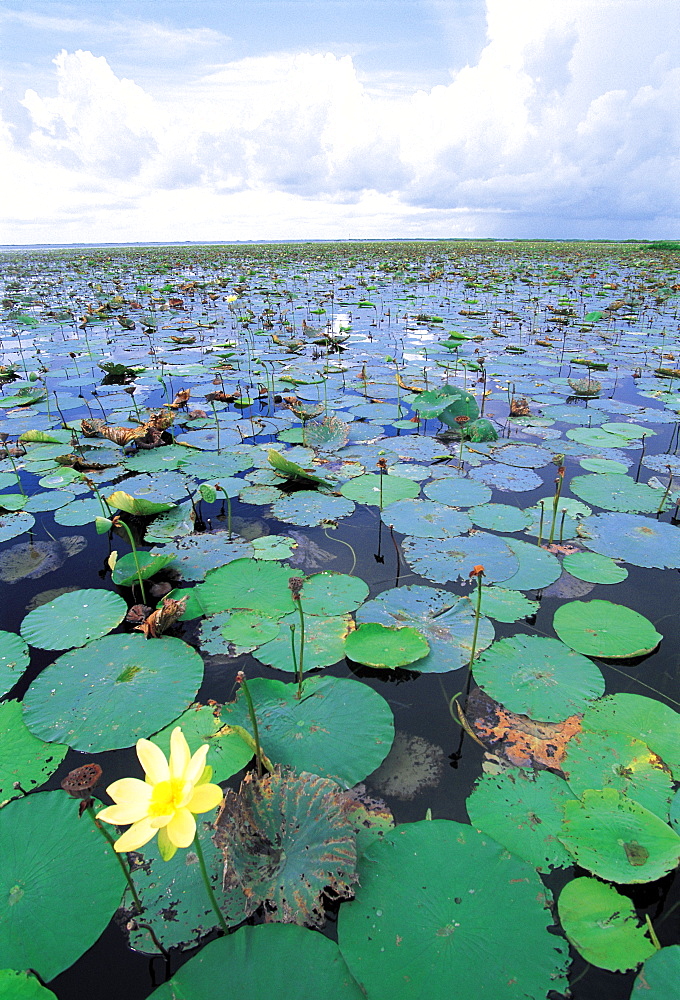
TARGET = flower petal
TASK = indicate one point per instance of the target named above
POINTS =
(196, 765)
(129, 790)
(134, 838)
(152, 759)
(181, 829)
(123, 814)
(205, 797)
(165, 846)
(179, 753)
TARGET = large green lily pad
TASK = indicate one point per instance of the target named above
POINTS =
(324, 642)
(641, 718)
(332, 593)
(340, 728)
(24, 758)
(250, 584)
(600, 628)
(200, 724)
(641, 541)
(385, 646)
(602, 925)
(429, 893)
(617, 839)
(447, 559)
(45, 852)
(617, 492)
(379, 490)
(537, 568)
(658, 979)
(14, 658)
(538, 677)
(73, 619)
(22, 986)
(108, 694)
(594, 568)
(271, 960)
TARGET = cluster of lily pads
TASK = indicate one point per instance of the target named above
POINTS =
(222, 425)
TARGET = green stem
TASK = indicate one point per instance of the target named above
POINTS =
(652, 933)
(302, 645)
(134, 556)
(253, 722)
(540, 524)
(124, 868)
(478, 609)
(206, 882)
(556, 500)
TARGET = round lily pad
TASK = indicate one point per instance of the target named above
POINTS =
(617, 492)
(194, 555)
(24, 758)
(658, 979)
(616, 760)
(384, 646)
(537, 568)
(445, 621)
(523, 811)
(367, 489)
(324, 643)
(82, 511)
(441, 560)
(271, 960)
(507, 478)
(73, 619)
(132, 565)
(249, 628)
(332, 593)
(45, 849)
(617, 839)
(111, 692)
(641, 718)
(600, 628)
(14, 658)
(505, 605)
(425, 519)
(430, 891)
(642, 541)
(309, 507)
(22, 986)
(594, 568)
(340, 728)
(251, 584)
(500, 517)
(538, 677)
(12, 525)
(602, 925)
(458, 492)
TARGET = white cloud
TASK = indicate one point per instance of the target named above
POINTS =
(544, 126)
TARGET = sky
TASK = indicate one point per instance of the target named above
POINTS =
(201, 120)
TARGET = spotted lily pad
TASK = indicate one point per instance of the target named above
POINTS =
(639, 540)
(642, 718)
(447, 559)
(307, 507)
(425, 519)
(324, 643)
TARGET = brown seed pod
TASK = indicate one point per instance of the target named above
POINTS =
(80, 782)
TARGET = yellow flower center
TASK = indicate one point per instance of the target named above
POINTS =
(167, 796)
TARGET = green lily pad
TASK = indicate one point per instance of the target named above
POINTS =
(379, 490)
(458, 492)
(324, 643)
(616, 760)
(441, 560)
(640, 718)
(538, 677)
(523, 812)
(642, 541)
(425, 519)
(22, 986)
(14, 658)
(445, 621)
(507, 477)
(617, 839)
(78, 512)
(250, 584)
(309, 508)
(659, 976)
(273, 547)
(340, 729)
(201, 724)
(173, 894)
(249, 628)
(192, 557)
(46, 827)
(271, 960)
(617, 492)
(594, 568)
(111, 692)
(602, 925)
(23, 757)
(73, 619)
(537, 568)
(15, 524)
(132, 565)
(384, 646)
(138, 506)
(505, 605)
(500, 517)
(600, 628)
(332, 593)
(429, 893)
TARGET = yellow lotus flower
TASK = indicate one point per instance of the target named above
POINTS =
(166, 801)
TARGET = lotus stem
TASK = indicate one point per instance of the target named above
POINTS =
(121, 522)
(478, 610)
(124, 867)
(295, 584)
(540, 524)
(217, 424)
(206, 882)
(241, 678)
(559, 479)
(668, 489)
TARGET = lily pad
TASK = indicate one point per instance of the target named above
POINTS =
(379, 490)
(641, 718)
(458, 492)
(659, 976)
(271, 960)
(429, 893)
(332, 593)
(324, 643)
(500, 517)
(447, 559)
(22, 986)
(537, 568)
(249, 628)
(505, 605)
(73, 619)
(201, 724)
(132, 565)
(46, 826)
(251, 584)
(507, 478)
(617, 839)
(14, 658)
(340, 728)
(138, 506)
(384, 646)
(617, 492)
(523, 812)
(24, 758)
(12, 525)
(594, 568)
(602, 925)
(538, 677)
(447, 623)
(600, 628)
(113, 691)
(639, 540)
(309, 508)
(192, 557)
(425, 519)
